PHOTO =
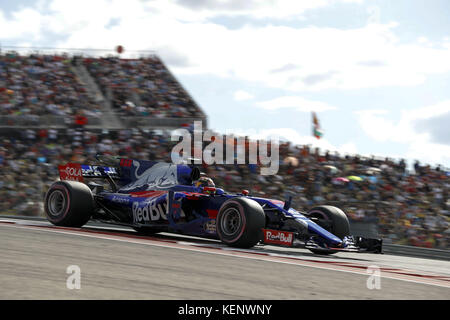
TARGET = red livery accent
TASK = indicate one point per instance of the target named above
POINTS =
(193, 195)
(146, 194)
(212, 213)
(209, 189)
(71, 171)
(278, 237)
(126, 162)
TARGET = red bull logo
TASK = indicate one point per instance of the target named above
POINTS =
(278, 237)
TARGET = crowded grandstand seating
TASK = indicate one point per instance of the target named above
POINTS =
(41, 85)
(141, 87)
(409, 206)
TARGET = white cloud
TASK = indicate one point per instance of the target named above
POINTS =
(349, 148)
(375, 125)
(365, 57)
(326, 57)
(241, 95)
(378, 125)
(422, 40)
(195, 10)
(295, 102)
(430, 111)
(25, 22)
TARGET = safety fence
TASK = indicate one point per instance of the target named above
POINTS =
(149, 122)
(418, 252)
(43, 121)
(60, 122)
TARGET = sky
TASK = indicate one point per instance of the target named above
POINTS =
(376, 72)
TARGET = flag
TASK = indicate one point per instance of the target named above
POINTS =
(317, 132)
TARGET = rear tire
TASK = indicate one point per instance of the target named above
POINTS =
(69, 204)
(340, 225)
(240, 222)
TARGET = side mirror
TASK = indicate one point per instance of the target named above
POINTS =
(287, 204)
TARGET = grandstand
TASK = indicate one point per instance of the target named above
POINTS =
(57, 108)
(56, 90)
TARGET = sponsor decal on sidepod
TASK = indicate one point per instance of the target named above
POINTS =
(278, 237)
(151, 211)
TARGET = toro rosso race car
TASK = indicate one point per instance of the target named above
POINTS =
(154, 197)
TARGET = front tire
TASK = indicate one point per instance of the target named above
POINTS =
(337, 223)
(69, 204)
(240, 222)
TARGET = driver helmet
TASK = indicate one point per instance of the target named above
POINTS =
(204, 182)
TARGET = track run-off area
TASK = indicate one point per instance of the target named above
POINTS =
(117, 263)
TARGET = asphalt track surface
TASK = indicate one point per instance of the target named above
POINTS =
(116, 263)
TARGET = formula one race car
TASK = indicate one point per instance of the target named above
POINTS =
(154, 197)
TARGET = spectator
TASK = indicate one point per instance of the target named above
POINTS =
(38, 85)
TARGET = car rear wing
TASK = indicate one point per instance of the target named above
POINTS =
(77, 172)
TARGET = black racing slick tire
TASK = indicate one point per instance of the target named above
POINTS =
(337, 222)
(69, 204)
(240, 222)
